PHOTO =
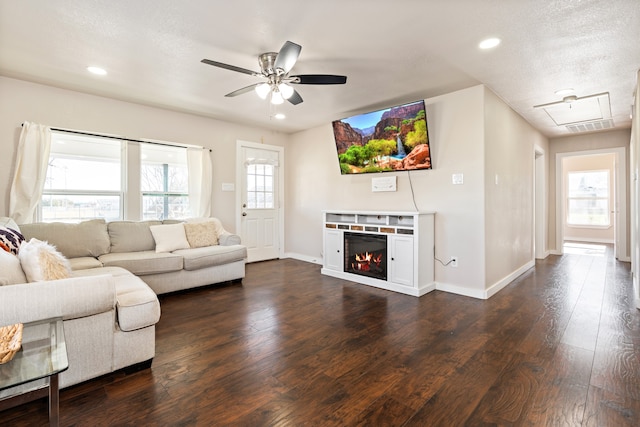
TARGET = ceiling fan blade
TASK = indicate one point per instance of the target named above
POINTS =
(230, 67)
(287, 56)
(243, 90)
(295, 99)
(319, 79)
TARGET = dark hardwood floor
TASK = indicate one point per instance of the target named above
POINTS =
(560, 346)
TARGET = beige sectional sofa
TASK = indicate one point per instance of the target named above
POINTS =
(131, 245)
(109, 304)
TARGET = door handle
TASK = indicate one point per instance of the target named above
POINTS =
(244, 214)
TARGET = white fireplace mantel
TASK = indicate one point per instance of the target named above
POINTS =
(410, 248)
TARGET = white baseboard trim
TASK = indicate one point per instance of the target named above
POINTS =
(502, 283)
(545, 254)
(305, 258)
(485, 293)
(555, 252)
(460, 290)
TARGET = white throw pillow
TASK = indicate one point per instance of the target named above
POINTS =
(41, 261)
(169, 237)
(10, 269)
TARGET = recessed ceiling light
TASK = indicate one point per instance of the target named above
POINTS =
(489, 43)
(562, 92)
(97, 70)
(280, 116)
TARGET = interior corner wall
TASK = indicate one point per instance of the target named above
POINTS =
(595, 141)
(24, 101)
(509, 163)
(455, 121)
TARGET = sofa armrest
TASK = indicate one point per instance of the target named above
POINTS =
(67, 298)
(228, 239)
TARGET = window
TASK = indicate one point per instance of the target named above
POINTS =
(588, 198)
(164, 182)
(260, 186)
(86, 179)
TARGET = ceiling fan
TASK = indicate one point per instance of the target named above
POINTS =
(275, 68)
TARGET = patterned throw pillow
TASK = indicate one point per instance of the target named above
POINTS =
(201, 234)
(10, 240)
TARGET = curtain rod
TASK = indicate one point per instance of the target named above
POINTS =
(78, 132)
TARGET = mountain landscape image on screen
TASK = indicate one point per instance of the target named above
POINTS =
(393, 139)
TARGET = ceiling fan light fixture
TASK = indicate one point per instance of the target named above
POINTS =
(285, 90)
(276, 97)
(570, 99)
(263, 90)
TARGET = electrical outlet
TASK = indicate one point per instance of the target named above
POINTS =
(454, 261)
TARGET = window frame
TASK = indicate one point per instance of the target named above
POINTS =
(569, 198)
(130, 191)
(120, 193)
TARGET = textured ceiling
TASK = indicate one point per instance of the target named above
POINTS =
(391, 51)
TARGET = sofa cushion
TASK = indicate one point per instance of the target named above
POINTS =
(197, 258)
(84, 263)
(111, 271)
(144, 262)
(137, 305)
(131, 236)
(87, 238)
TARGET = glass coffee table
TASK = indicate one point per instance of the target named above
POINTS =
(33, 371)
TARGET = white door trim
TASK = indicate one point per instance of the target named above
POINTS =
(540, 206)
(240, 144)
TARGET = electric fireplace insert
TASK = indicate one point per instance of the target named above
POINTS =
(366, 254)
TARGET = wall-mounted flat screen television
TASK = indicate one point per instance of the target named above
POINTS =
(388, 140)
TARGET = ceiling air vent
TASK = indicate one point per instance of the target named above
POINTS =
(591, 126)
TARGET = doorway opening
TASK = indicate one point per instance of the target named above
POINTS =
(591, 202)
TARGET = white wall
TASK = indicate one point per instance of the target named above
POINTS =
(23, 101)
(509, 192)
(456, 130)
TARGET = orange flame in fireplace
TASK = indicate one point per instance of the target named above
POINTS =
(363, 261)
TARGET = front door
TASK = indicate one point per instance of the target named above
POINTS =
(260, 199)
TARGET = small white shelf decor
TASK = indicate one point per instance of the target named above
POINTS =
(409, 251)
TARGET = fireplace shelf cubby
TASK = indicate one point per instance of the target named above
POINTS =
(388, 250)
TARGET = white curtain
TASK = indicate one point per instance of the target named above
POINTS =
(31, 170)
(200, 181)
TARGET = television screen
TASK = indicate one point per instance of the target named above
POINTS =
(393, 139)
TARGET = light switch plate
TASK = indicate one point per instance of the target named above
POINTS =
(228, 186)
(457, 179)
